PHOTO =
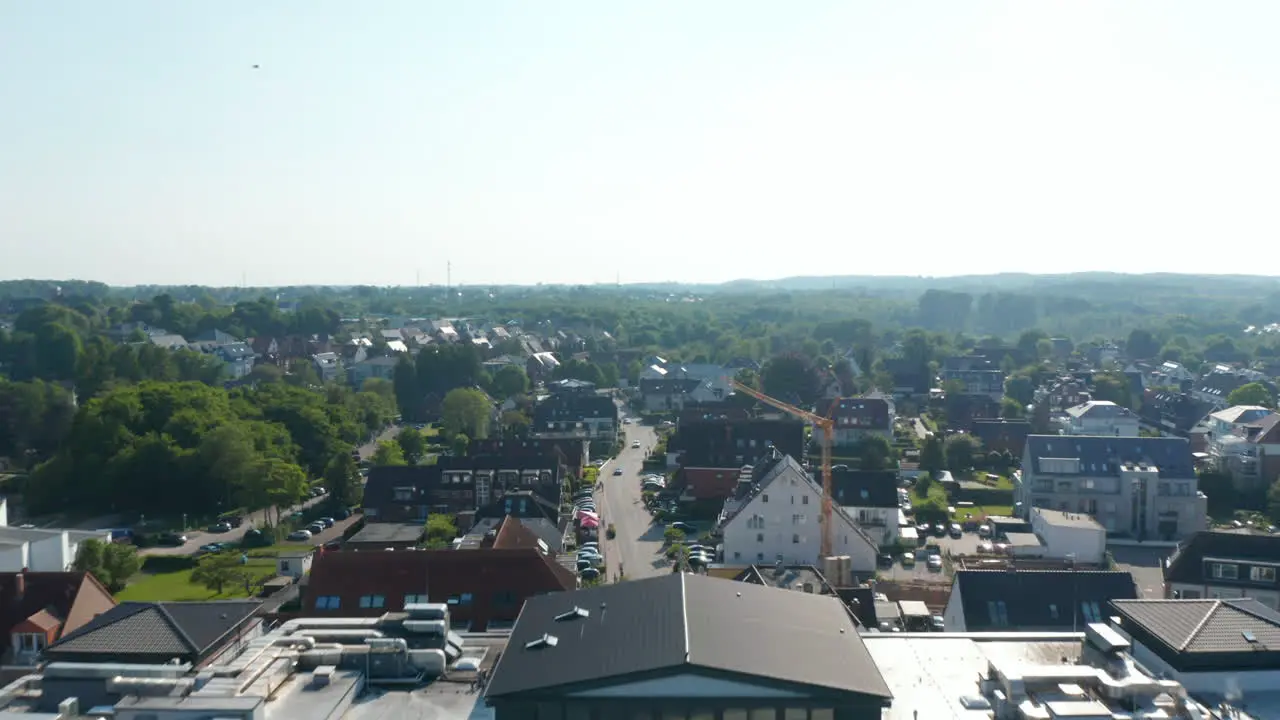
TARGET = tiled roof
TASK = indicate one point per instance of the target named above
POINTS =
(1242, 414)
(180, 629)
(1099, 409)
(1103, 455)
(1187, 564)
(675, 623)
(513, 535)
(1205, 626)
(871, 412)
(72, 597)
(1038, 599)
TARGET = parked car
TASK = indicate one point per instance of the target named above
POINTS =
(885, 560)
(684, 527)
(326, 521)
(299, 536)
(589, 573)
(908, 559)
(956, 530)
(984, 531)
(315, 528)
(935, 562)
(220, 527)
(937, 624)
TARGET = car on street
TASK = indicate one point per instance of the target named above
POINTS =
(210, 548)
(626, 421)
(299, 536)
(923, 529)
(935, 562)
(984, 531)
(617, 471)
(635, 445)
(315, 528)
(326, 521)
(220, 527)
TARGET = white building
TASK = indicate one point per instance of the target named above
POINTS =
(775, 518)
(40, 549)
(1066, 535)
(1101, 417)
(715, 377)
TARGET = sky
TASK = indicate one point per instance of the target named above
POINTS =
(660, 140)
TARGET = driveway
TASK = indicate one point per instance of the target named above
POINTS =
(366, 451)
(1143, 563)
(637, 549)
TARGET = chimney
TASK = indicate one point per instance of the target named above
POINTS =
(20, 584)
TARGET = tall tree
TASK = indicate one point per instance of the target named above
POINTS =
(510, 380)
(1252, 394)
(388, 453)
(413, 444)
(342, 478)
(466, 410)
(792, 378)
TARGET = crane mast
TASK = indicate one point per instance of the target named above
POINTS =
(827, 426)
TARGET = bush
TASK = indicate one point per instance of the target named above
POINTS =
(160, 564)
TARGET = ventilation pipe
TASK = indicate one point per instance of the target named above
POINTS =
(398, 644)
(425, 627)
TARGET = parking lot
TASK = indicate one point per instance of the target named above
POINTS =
(966, 544)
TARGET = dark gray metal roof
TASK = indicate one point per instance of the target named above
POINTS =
(1187, 564)
(681, 623)
(1103, 455)
(1003, 600)
(161, 628)
(1206, 626)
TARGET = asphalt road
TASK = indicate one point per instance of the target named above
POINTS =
(637, 549)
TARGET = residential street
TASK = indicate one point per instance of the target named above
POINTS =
(638, 545)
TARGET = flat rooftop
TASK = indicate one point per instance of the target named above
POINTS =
(388, 532)
(931, 675)
(441, 700)
(1023, 539)
(1068, 519)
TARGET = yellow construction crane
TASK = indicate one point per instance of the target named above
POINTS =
(827, 425)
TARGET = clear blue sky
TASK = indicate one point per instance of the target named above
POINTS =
(583, 141)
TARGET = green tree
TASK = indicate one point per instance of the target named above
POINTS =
(1252, 394)
(1010, 409)
(791, 378)
(113, 564)
(466, 410)
(516, 423)
(1112, 386)
(218, 570)
(284, 485)
(1020, 388)
(413, 444)
(1273, 502)
(874, 452)
(388, 453)
(440, 530)
(510, 380)
(342, 478)
(1142, 344)
(961, 451)
(933, 459)
(460, 444)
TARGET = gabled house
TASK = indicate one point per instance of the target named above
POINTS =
(870, 497)
(987, 382)
(38, 608)
(909, 379)
(533, 511)
(1101, 417)
(380, 367)
(1002, 435)
(1214, 648)
(694, 648)
(1237, 440)
(1173, 413)
(1033, 600)
(41, 549)
(1140, 487)
(862, 417)
(703, 484)
(541, 366)
(672, 394)
(1217, 565)
(455, 485)
(777, 516)
(1214, 388)
(567, 415)
(721, 442)
(484, 588)
(237, 358)
(156, 633)
(267, 348)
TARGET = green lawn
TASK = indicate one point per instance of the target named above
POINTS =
(178, 585)
(980, 510)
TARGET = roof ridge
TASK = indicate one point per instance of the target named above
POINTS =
(1217, 604)
(1249, 610)
(684, 618)
(177, 628)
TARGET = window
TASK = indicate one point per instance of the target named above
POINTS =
(1262, 574)
(764, 497)
(737, 556)
(759, 537)
(1053, 611)
(804, 500)
(793, 499)
(504, 597)
(1224, 571)
(372, 601)
(759, 557)
(415, 599)
(284, 566)
(29, 642)
(998, 613)
(328, 602)
(795, 539)
(453, 600)
(466, 598)
(1091, 612)
(795, 714)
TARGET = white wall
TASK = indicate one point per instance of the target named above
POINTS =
(787, 526)
(1085, 544)
(1114, 427)
(13, 558)
(4, 512)
(50, 554)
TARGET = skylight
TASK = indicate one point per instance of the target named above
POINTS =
(1249, 637)
(573, 614)
(545, 641)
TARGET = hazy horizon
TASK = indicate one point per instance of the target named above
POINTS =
(582, 143)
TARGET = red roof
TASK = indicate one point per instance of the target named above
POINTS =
(480, 585)
(710, 483)
(46, 600)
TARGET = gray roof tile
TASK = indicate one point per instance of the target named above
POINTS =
(1205, 626)
(162, 628)
(1171, 455)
